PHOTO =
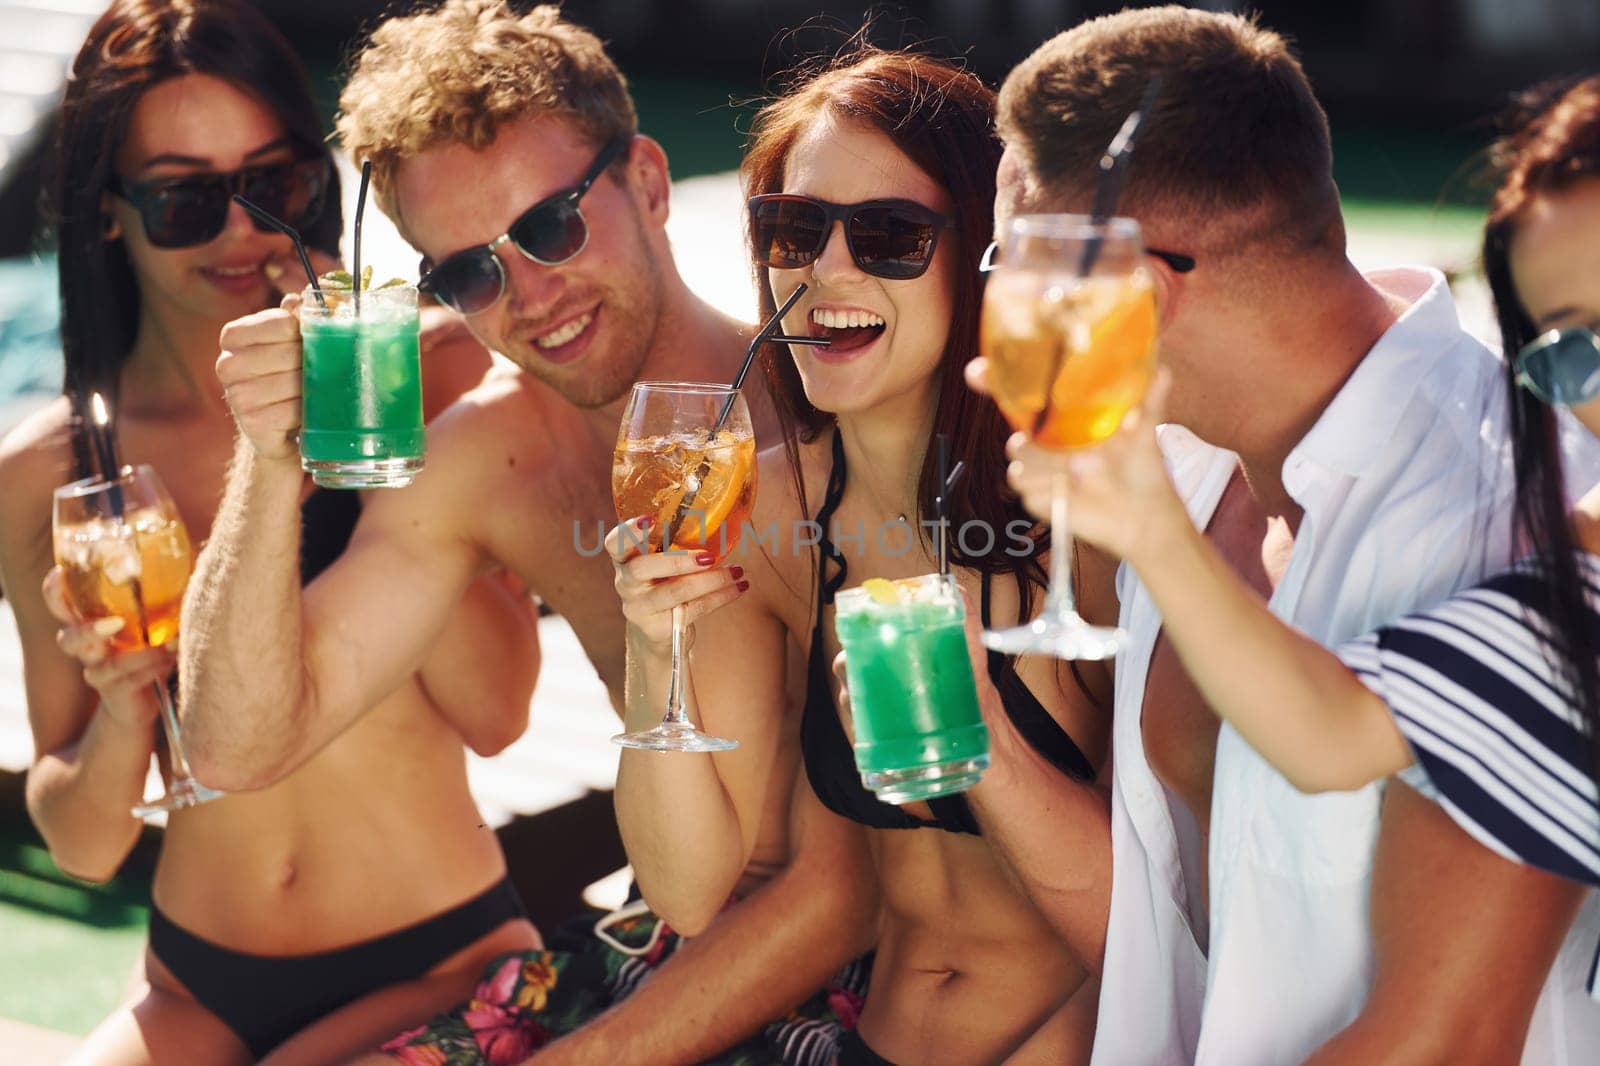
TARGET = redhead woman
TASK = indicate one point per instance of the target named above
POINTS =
(873, 185)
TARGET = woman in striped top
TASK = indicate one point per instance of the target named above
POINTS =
(1490, 703)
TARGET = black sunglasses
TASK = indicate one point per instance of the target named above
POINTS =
(1180, 263)
(191, 210)
(550, 232)
(891, 239)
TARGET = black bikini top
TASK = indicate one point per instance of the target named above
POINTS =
(327, 519)
(830, 763)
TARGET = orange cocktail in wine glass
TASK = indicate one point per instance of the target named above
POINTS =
(1069, 354)
(686, 457)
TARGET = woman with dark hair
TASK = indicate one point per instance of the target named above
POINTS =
(340, 904)
(873, 184)
(1489, 703)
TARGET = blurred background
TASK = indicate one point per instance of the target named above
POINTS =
(1410, 86)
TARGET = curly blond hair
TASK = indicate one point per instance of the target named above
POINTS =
(456, 73)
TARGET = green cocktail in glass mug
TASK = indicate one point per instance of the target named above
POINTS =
(918, 732)
(361, 422)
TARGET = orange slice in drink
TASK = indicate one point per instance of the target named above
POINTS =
(1103, 380)
(725, 484)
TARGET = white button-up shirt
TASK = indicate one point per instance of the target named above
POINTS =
(1405, 485)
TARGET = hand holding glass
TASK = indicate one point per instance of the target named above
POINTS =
(1069, 356)
(361, 425)
(124, 553)
(698, 487)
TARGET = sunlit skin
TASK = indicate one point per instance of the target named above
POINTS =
(966, 968)
(1555, 264)
(170, 137)
(451, 198)
(894, 373)
(268, 872)
(1297, 704)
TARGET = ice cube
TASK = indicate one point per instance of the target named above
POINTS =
(116, 556)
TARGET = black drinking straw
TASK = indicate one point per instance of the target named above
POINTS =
(105, 448)
(941, 502)
(1113, 169)
(1108, 190)
(361, 207)
(771, 331)
(269, 219)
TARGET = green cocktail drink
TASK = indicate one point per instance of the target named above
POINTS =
(912, 693)
(361, 424)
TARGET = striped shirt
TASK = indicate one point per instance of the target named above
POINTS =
(1496, 741)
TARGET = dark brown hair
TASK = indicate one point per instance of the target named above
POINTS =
(133, 46)
(1554, 141)
(941, 117)
(1236, 136)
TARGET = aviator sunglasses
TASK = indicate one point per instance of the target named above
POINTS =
(1561, 366)
(892, 239)
(550, 232)
(192, 210)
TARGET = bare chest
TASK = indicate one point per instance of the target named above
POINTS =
(1178, 728)
(550, 529)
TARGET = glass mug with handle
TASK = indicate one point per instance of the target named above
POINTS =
(124, 553)
(1069, 355)
(361, 397)
(686, 457)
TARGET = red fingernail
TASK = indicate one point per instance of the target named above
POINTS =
(645, 522)
(742, 586)
(705, 558)
(736, 571)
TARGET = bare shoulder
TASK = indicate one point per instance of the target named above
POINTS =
(488, 432)
(505, 420)
(1095, 584)
(35, 458)
(776, 538)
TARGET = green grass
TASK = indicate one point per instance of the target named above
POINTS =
(69, 947)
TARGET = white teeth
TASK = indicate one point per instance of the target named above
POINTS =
(566, 333)
(830, 319)
(234, 272)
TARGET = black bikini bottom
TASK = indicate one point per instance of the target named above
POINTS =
(854, 1051)
(267, 999)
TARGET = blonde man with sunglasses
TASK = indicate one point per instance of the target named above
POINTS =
(506, 149)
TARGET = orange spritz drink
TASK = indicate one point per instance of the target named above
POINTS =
(135, 569)
(1068, 358)
(124, 552)
(655, 475)
(686, 459)
(1069, 335)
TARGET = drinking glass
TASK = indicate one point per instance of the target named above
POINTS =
(124, 553)
(914, 701)
(1070, 353)
(697, 483)
(361, 424)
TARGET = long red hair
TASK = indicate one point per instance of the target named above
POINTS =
(942, 118)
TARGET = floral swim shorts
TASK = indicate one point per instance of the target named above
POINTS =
(530, 998)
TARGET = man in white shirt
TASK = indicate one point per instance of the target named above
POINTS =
(1337, 436)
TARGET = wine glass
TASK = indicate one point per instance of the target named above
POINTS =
(685, 456)
(124, 553)
(1070, 352)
